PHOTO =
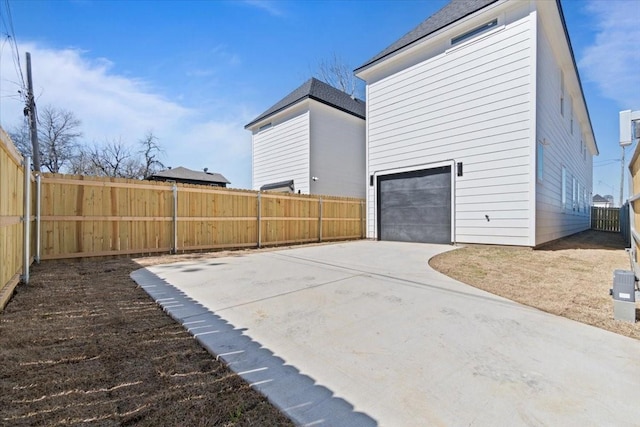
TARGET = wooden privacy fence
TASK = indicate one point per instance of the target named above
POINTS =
(15, 208)
(91, 216)
(634, 208)
(605, 219)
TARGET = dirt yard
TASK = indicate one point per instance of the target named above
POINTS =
(82, 344)
(570, 277)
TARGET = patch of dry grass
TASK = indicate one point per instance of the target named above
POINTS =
(570, 277)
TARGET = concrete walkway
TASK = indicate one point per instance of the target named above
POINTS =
(365, 333)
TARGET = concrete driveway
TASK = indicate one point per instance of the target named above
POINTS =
(366, 333)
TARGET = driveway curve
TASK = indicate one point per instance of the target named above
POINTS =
(366, 333)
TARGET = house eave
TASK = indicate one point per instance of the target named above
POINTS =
(261, 120)
(409, 46)
(596, 151)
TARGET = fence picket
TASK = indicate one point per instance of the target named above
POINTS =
(116, 216)
(605, 219)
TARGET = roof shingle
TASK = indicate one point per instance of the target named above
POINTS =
(321, 92)
(452, 12)
(191, 175)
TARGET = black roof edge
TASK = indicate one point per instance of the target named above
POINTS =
(322, 101)
(307, 96)
(575, 67)
(261, 118)
(368, 64)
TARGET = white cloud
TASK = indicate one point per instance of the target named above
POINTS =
(112, 106)
(266, 5)
(612, 62)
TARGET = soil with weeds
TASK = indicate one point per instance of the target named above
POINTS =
(570, 277)
(82, 344)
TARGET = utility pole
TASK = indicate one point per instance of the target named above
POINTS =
(33, 117)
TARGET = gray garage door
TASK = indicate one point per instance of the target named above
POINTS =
(415, 206)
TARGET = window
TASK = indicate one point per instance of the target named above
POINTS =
(571, 115)
(474, 32)
(561, 93)
(540, 161)
(563, 189)
(574, 194)
(579, 197)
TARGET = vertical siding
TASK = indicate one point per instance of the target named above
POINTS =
(472, 105)
(281, 153)
(561, 148)
(337, 152)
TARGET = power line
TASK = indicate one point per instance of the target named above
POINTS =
(14, 44)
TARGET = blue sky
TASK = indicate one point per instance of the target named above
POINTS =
(195, 72)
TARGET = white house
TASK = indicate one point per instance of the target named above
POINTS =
(478, 130)
(602, 201)
(311, 142)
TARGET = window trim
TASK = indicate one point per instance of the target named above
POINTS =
(571, 114)
(561, 93)
(487, 26)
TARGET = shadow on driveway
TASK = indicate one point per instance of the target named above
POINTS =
(295, 394)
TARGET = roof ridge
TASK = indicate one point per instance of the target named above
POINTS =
(318, 90)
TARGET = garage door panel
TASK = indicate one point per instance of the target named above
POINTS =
(415, 206)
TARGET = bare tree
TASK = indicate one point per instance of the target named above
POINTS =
(112, 159)
(116, 159)
(22, 139)
(58, 134)
(337, 72)
(150, 151)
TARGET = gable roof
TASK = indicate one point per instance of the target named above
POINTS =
(318, 91)
(181, 173)
(452, 12)
(602, 199)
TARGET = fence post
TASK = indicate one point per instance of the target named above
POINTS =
(362, 222)
(26, 218)
(259, 218)
(38, 209)
(175, 218)
(320, 220)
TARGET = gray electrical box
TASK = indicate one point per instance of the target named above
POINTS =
(624, 286)
(624, 295)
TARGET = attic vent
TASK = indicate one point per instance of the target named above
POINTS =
(474, 32)
(267, 126)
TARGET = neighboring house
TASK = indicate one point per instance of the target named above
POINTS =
(602, 201)
(311, 142)
(188, 176)
(478, 130)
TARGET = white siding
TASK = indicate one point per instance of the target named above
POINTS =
(337, 152)
(472, 104)
(561, 149)
(281, 153)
